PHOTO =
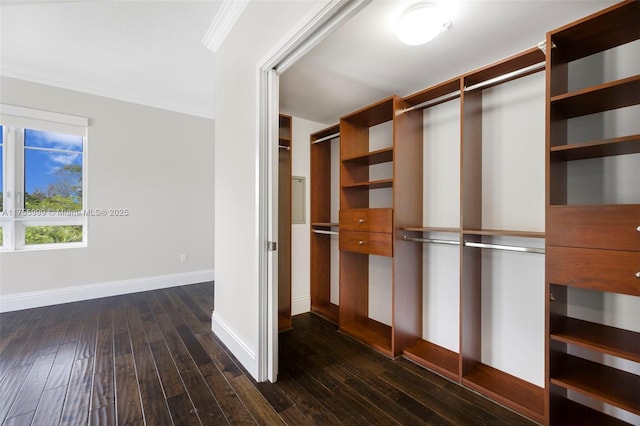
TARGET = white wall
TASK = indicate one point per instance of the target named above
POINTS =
(157, 164)
(261, 26)
(300, 233)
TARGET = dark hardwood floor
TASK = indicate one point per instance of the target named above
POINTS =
(150, 358)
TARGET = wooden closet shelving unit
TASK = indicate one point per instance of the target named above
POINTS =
(423, 352)
(366, 231)
(321, 208)
(285, 137)
(505, 388)
(594, 247)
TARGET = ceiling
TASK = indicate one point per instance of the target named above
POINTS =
(151, 52)
(363, 61)
(148, 52)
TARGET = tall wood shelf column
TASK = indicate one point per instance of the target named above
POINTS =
(322, 227)
(424, 352)
(366, 231)
(499, 385)
(591, 246)
(284, 222)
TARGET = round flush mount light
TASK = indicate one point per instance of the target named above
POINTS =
(421, 22)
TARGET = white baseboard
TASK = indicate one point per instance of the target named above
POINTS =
(234, 343)
(300, 305)
(35, 299)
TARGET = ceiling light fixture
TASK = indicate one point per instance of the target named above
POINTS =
(421, 22)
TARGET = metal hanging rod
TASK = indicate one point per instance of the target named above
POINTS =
(320, 231)
(431, 241)
(284, 147)
(505, 247)
(432, 102)
(326, 138)
(530, 69)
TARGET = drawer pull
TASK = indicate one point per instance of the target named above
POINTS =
(362, 221)
(638, 229)
(637, 274)
(362, 243)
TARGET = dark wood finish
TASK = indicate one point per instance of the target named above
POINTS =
(592, 247)
(284, 226)
(597, 337)
(604, 97)
(598, 381)
(325, 377)
(567, 412)
(371, 332)
(612, 227)
(433, 357)
(600, 31)
(509, 390)
(367, 220)
(603, 270)
(320, 250)
(596, 149)
(377, 243)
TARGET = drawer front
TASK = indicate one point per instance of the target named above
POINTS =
(367, 242)
(605, 227)
(367, 220)
(603, 270)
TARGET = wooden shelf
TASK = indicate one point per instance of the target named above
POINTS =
(598, 381)
(324, 225)
(380, 156)
(597, 149)
(430, 229)
(372, 115)
(370, 332)
(329, 131)
(503, 233)
(374, 184)
(434, 357)
(328, 311)
(571, 413)
(508, 390)
(601, 31)
(513, 63)
(603, 97)
(597, 337)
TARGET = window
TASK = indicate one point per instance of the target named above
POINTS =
(42, 179)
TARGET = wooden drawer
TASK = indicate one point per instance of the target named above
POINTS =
(367, 242)
(603, 270)
(605, 227)
(368, 220)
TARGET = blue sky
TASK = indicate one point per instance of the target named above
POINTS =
(40, 166)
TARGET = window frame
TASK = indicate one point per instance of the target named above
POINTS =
(14, 219)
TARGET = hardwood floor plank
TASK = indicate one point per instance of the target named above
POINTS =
(10, 386)
(151, 359)
(32, 387)
(262, 412)
(78, 399)
(128, 408)
(49, 409)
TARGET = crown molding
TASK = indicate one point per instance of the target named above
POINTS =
(21, 73)
(224, 20)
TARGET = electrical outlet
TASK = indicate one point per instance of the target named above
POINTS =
(183, 258)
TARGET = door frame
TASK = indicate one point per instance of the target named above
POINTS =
(316, 26)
